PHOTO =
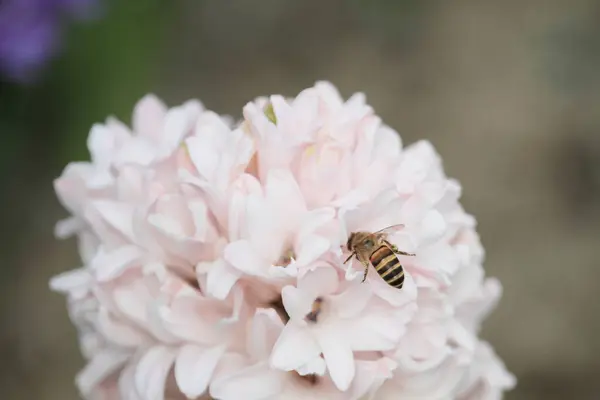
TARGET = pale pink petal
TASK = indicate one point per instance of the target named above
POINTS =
(109, 265)
(432, 192)
(388, 143)
(230, 364)
(306, 108)
(311, 248)
(138, 151)
(352, 301)
(148, 116)
(155, 323)
(396, 297)
(283, 194)
(151, 372)
(244, 149)
(194, 321)
(220, 278)
(87, 245)
(441, 382)
(424, 341)
(176, 207)
(409, 365)
(132, 301)
(193, 109)
(68, 227)
(463, 337)
(339, 359)
(236, 307)
(352, 274)
(438, 257)
(70, 187)
(167, 225)
(294, 348)
(200, 218)
(350, 201)
(322, 281)
(131, 184)
(73, 280)
(265, 328)
(127, 387)
(194, 367)
(329, 95)
(313, 220)
(100, 367)
(177, 124)
(432, 227)
(90, 343)
(243, 257)
(244, 186)
(119, 332)
(370, 375)
(472, 312)
(377, 331)
(492, 291)
(267, 227)
(284, 271)
(316, 366)
(212, 130)
(466, 283)
(101, 143)
(205, 159)
(258, 382)
(118, 215)
(296, 302)
(281, 108)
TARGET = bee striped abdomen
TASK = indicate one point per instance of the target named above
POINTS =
(388, 266)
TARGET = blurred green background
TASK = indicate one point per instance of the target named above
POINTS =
(507, 91)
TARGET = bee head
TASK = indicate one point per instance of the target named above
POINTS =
(369, 243)
(349, 242)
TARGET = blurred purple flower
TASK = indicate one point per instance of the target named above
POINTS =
(30, 33)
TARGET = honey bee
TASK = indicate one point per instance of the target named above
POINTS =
(374, 248)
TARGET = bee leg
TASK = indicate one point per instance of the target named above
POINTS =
(395, 249)
(349, 257)
(366, 272)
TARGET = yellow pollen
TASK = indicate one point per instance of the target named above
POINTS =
(184, 159)
(310, 150)
(185, 148)
(286, 258)
(270, 113)
(245, 127)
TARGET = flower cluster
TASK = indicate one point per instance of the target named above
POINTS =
(30, 33)
(213, 259)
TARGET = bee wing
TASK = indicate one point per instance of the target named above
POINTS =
(390, 230)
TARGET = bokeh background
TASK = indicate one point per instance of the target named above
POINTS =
(507, 91)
